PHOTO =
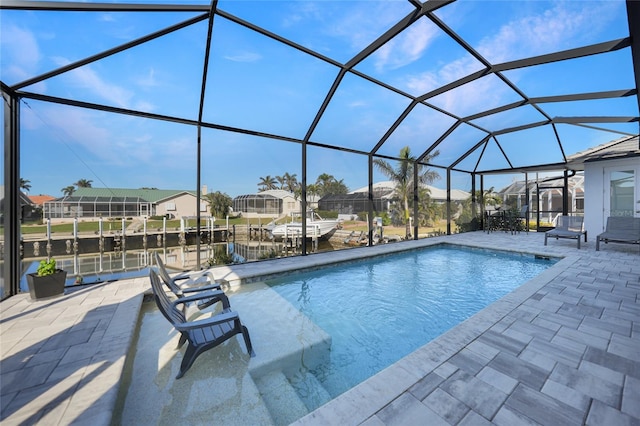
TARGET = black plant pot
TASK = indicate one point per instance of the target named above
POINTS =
(47, 286)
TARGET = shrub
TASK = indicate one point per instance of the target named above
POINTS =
(386, 219)
(220, 257)
(46, 267)
(271, 254)
(472, 225)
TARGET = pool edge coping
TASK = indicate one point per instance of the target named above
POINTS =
(235, 275)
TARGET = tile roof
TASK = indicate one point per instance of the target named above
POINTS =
(40, 199)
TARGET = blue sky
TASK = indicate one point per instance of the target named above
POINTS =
(257, 83)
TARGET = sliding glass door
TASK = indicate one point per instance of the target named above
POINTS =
(621, 192)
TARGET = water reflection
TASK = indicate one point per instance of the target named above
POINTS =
(270, 249)
(109, 266)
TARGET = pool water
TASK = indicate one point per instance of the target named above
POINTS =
(377, 311)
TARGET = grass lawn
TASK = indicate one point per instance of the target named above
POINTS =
(395, 230)
(116, 225)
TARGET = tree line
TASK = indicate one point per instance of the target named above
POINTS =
(401, 173)
(325, 184)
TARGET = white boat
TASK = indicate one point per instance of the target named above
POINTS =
(316, 227)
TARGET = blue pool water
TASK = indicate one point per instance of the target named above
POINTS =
(380, 310)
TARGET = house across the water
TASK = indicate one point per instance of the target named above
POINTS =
(93, 203)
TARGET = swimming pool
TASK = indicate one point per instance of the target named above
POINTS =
(381, 309)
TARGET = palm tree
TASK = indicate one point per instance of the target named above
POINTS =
(219, 203)
(25, 184)
(267, 183)
(83, 183)
(469, 217)
(290, 182)
(402, 175)
(312, 190)
(329, 185)
(68, 190)
(489, 197)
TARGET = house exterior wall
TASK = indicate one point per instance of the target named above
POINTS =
(594, 189)
(275, 203)
(180, 206)
(290, 205)
(594, 198)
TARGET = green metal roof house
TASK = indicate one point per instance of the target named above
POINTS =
(92, 203)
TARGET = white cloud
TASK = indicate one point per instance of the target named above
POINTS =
(447, 73)
(553, 29)
(75, 126)
(107, 17)
(342, 28)
(359, 29)
(244, 57)
(87, 78)
(482, 94)
(406, 48)
(300, 12)
(148, 80)
(13, 73)
(111, 92)
(357, 104)
(21, 55)
(143, 138)
(21, 46)
(423, 83)
(144, 106)
(113, 141)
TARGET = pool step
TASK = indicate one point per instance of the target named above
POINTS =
(285, 340)
(310, 390)
(280, 398)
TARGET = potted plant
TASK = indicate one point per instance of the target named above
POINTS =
(48, 281)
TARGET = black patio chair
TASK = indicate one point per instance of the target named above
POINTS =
(494, 221)
(518, 220)
(201, 334)
(187, 283)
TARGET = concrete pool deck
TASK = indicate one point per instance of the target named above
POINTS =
(562, 349)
